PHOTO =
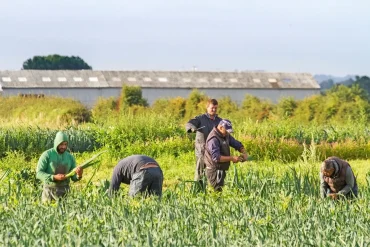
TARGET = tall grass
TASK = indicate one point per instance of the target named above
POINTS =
(147, 133)
(266, 206)
(52, 112)
(157, 134)
(271, 201)
(33, 140)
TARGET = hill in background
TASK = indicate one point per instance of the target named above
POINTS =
(336, 79)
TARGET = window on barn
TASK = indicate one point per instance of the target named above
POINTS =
(147, 79)
(272, 80)
(131, 79)
(162, 79)
(93, 79)
(202, 80)
(62, 79)
(77, 79)
(22, 79)
(257, 80)
(46, 79)
(6, 79)
(186, 79)
(217, 80)
(233, 80)
(116, 79)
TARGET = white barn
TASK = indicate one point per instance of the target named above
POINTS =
(88, 85)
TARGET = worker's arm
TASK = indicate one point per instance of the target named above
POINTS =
(323, 186)
(41, 170)
(213, 146)
(350, 182)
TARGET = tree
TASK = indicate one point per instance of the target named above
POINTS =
(55, 62)
(286, 106)
(326, 84)
(131, 96)
(227, 106)
(362, 82)
(195, 103)
(172, 106)
(255, 108)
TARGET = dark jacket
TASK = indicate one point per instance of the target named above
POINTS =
(200, 121)
(125, 169)
(217, 146)
(338, 181)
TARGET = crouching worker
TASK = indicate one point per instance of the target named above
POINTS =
(337, 179)
(217, 153)
(53, 166)
(141, 172)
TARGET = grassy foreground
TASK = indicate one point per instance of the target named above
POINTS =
(264, 204)
(272, 201)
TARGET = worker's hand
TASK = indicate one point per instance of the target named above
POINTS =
(243, 157)
(79, 171)
(333, 196)
(193, 130)
(59, 177)
(235, 159)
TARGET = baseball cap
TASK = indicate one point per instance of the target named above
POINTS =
(226, 123)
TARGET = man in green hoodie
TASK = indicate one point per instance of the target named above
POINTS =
(52, 167)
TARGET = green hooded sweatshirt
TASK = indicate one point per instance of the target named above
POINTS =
(51, 163)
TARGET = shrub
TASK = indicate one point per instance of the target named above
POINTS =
(131, 95)
(285, 108)
(103, 108)
(256, 108)
(173, 106)
(226, 106)
(76, 115)
(195, 104)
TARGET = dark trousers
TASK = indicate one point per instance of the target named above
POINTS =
(199, 168)
(51, 193)
(216, 178)
(148, 181)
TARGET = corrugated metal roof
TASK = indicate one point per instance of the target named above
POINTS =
(153, 79)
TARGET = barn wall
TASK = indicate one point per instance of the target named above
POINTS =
(88, 96)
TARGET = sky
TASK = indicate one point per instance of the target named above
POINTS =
(315, 36)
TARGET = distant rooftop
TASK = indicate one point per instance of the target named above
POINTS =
(154, 79)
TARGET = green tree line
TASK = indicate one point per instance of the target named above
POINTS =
(55, 62)
(339, 104)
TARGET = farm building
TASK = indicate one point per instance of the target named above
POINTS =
(88, 85)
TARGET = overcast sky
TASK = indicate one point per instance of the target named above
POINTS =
(315, 36)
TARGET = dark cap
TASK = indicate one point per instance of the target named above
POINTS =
(226, 123)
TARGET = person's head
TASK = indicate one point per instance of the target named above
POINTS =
(225, 127)
(61, 142)
(212, 105)
(327, 168)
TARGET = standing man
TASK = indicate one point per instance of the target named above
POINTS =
(337, 179)
(202, 125)
(52, 167)
(141, 172)
(217, 154)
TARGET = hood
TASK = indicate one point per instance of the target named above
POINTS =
(59, 138)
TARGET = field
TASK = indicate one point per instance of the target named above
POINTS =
(270, 201)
